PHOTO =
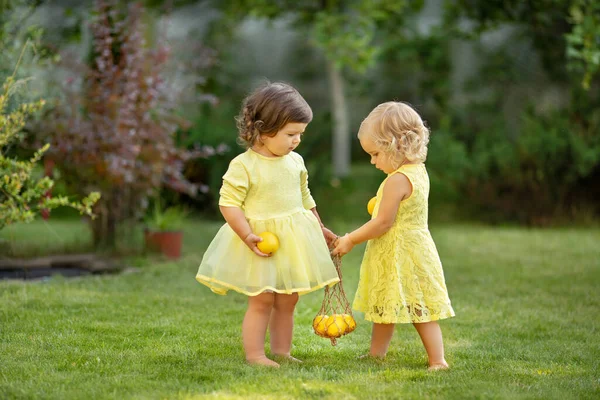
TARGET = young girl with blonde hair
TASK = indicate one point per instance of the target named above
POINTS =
(401, 276)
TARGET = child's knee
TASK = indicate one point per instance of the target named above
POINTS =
(264, 302)
(286, 302)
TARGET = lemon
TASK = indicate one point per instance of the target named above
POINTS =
(340, 322)
(336, 326)
(269, 244)
(371, 205)
(350, 322)
(333, 331)
(317, 320)
(321, 327)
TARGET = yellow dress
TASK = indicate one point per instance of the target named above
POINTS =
(273, 193)
(401, 276)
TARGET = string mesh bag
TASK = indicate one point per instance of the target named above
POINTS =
(334, 319)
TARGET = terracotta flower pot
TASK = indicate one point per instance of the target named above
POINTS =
(166, 242)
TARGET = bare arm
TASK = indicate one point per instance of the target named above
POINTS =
(396, 189)
(237, 221)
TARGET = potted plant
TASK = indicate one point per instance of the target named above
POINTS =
(163, 232)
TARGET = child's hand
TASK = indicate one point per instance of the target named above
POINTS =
(330, 237)
(251, 241)
(343, 246)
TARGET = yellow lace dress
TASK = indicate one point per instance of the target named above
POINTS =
(273, 193)
(401, 276)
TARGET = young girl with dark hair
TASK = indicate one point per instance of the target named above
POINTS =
(266, 189)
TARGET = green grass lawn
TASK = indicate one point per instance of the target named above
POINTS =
(527, 326)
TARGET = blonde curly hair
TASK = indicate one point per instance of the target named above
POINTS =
(397, 131)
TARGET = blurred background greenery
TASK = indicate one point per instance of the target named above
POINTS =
(509, 90)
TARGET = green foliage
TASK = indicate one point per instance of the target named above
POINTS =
(346, 38)
(583, 50)
(214, 128)
(537, 176)
(426, 59)
(12, 15)
(16, 33)
(448, 166)
(165, 219)
(22, 195)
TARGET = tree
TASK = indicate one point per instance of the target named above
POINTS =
(115, 130)
(22, 195)
(346, 33)
(583, 42)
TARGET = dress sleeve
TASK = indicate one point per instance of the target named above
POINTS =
(235, 185)
(307, 199)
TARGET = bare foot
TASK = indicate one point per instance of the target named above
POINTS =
(438, 366)
(286, 358)
(264, 361)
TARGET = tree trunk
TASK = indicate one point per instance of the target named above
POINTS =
(341, 125)
(104, 227)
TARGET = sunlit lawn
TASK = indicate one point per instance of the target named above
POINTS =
(527, 326)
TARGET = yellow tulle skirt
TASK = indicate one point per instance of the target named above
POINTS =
(301, 264)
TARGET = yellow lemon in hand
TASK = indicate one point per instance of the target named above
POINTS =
(336, 326)
(350, 321)
(371, 205)
(269, 243)
(321, 327)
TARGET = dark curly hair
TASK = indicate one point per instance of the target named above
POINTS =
(267, 109)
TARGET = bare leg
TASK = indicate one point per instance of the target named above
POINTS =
(380, 339)
(431, 336)
(254, 329)
(281, 326)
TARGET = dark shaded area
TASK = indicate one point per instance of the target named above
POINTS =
(65, 265)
